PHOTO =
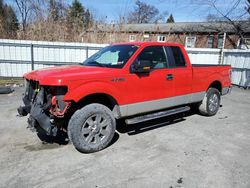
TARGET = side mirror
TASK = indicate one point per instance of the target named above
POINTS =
(142, 66)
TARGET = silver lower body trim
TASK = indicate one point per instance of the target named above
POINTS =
(148, 106)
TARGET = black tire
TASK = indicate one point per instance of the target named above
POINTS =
(211, 102)
(6, 90)
(92, 128)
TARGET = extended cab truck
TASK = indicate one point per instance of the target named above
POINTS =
(136, 81)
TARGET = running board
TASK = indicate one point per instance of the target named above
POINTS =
(156, 115)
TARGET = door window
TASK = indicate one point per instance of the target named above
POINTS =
(154, 54)
(178, 57)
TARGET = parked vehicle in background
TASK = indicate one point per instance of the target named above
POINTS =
(137, 81)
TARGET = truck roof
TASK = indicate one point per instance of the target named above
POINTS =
(142, 43)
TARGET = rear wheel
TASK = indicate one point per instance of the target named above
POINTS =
(211, 102)
(92, 128)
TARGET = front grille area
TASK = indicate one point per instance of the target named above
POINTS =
(31, 87)
(45, 113)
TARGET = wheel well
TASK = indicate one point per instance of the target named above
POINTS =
(217, 85)
(100, 98)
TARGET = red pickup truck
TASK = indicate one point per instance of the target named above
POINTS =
(136, 81)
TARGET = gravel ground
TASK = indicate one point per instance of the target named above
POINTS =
(188, 151)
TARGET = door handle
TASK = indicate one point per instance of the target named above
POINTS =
(169, 77)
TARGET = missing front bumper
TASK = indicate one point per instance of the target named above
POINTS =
(35, 124)
(46, 107)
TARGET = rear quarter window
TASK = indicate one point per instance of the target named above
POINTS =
(177, 55)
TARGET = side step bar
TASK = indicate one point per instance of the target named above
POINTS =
(156, 115)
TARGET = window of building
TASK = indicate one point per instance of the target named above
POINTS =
(146, 37)
(247, 41)
(210, 41)
(244, 43)
(220, 41)
(154, 54)
(161, 38)
(132, 38)
(190, 42)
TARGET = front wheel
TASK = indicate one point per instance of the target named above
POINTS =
(92, 128)
(211, 102)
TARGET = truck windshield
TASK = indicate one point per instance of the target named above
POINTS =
(115, 56)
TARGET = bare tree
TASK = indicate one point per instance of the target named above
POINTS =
(25, 9)
(248, 6)
(56, 10)
(143, 13)
(231, 15)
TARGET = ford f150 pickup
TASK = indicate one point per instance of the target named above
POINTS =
(136, 81)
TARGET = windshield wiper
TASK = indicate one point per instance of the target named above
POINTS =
(98, 64)
(95, 63)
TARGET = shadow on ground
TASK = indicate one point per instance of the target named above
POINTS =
(61, 138)
(138, 128)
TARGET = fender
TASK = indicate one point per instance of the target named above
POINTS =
(214, 77)
(92, 88)
(203, 78)
(218, 76)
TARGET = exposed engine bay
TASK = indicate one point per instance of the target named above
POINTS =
(46, 107)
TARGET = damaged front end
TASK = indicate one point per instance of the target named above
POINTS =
(46, 107)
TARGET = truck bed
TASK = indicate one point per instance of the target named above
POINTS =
(207, 65)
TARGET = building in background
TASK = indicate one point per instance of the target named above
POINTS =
(190, 34)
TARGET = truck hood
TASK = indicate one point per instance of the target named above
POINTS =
(63, 74)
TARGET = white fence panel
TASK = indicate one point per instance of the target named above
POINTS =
(240, 62)
(15, 55)
(200, 55)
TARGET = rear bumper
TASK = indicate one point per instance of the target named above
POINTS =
(226, 90)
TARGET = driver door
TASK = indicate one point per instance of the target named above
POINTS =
(150, 91)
